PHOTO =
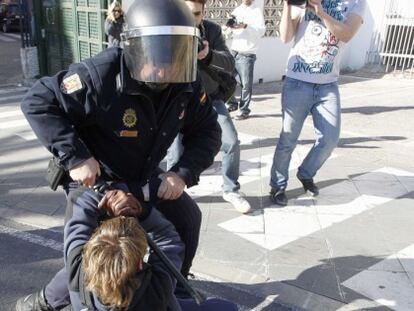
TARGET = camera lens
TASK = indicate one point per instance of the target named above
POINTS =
(297, 2)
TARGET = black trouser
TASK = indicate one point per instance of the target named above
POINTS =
(183, 213)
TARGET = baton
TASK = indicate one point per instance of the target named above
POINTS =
(177, 274)
(102, 187)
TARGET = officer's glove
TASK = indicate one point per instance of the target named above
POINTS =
(120, 203)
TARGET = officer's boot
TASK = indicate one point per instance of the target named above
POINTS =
(34, 302)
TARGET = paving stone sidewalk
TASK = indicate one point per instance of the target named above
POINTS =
(350, 248)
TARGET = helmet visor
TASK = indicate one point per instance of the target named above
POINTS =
(162, 58)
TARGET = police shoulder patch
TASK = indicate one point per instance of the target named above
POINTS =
(71, 84)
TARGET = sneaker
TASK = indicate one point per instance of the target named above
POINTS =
(231, 107)
(242, 116)
(308, 185)
(34, 302)
(278, 196)
(238, 201)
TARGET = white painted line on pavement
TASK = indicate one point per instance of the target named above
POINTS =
(29, 136)
(390, 287)
(13, 124)
(4, 99)
(11, 113)
(32, 238)
(6, 39)
(14, 35)
(279, 227)
(13, 90)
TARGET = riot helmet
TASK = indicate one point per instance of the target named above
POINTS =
(160, 41)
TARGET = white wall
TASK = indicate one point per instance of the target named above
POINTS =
(354, 53)
(271, 60)
(272, 55)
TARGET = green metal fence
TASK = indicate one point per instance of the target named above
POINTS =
(69, 31)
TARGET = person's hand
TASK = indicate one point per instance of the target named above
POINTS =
(86, 172)
(315, 6)
(204, 52)
(120, 203)
(239, 26)
(171, 187)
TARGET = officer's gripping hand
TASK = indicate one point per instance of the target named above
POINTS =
(204, 52)
(171, 187)
(120, 203)
(86, 172)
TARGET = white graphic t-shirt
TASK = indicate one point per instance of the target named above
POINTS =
(315, 55)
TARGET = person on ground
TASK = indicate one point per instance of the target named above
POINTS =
(105, 243)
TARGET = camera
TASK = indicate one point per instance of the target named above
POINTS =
(297, 2)
(231, 21)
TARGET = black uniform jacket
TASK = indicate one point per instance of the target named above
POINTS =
(96, 109)
(219, 57)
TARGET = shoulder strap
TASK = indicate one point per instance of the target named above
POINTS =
(144, 277)
(95, 77)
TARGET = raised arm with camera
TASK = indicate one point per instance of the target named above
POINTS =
(343, 31)
(289, 22)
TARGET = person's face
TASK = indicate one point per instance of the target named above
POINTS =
(159, 71)
(117, 12)
(197, 10)
(248, 2)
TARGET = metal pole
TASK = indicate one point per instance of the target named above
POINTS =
(177, 274)
(21, 23)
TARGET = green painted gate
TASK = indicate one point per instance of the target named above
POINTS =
(69, 31)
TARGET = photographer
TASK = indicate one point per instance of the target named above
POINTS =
(319, 31)
(247, 24)
(216, 62)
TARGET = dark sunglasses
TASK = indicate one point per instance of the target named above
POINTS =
(116, 10)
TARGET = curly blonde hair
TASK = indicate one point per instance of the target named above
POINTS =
(111, 259)
(114, 5)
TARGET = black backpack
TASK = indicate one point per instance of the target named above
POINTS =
(226, 81)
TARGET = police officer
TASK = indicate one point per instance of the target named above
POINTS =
(115, 115)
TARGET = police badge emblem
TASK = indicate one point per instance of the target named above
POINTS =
(130, 118)
(71, 84)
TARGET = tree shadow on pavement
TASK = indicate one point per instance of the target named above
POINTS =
(348, 142)
(312, 287)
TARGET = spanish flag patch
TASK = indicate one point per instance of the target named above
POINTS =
(203, 98)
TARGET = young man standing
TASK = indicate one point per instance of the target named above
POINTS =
(215, 57)
(248, 28)
(319, 32)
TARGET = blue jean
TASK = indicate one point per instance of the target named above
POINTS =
(230, 146)
(299, 99)
(244, 69)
